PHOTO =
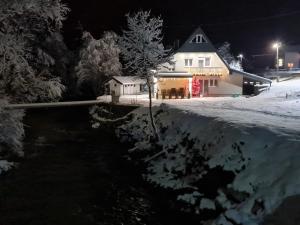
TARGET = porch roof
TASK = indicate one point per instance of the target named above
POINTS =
(252, 77)
(174, 74)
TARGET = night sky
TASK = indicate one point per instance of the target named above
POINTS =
(250, 26)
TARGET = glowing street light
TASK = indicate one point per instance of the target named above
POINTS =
(276, 46)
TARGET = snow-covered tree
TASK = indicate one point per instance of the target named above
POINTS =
(143, 50)
(25, 65)
(11, 131)
(99, 60)
(225, 52)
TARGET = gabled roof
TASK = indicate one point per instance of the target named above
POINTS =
(128, 80)
(207, 46)
(190, 46)
(252, 77)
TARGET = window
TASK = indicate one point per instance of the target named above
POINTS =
(213, 83)
(204, 62)
(207, 61)
(199, 39)
(201, 63)
(216, 83)
(188, 62)
(115, 85)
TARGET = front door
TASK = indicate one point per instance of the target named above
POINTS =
(205, 88)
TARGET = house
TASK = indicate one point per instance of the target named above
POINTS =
(199, 71)
(126, 85)
(291, 58)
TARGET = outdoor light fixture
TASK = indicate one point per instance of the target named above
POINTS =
(276, 46)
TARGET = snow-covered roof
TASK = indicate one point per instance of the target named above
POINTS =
(174, 74)
(128, 80)
(252, 77)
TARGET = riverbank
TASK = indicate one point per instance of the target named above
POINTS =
(234, 173)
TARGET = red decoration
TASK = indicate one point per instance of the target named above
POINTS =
(196, 87)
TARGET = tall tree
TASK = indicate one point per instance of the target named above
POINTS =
(26, 67)
(99, 60)
(143, 50)
(225, 52)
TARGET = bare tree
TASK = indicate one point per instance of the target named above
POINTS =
(143, 50)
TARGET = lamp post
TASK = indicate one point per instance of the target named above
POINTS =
(276, 46)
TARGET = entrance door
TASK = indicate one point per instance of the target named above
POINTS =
(205, 88)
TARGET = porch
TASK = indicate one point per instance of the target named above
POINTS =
(174, 85)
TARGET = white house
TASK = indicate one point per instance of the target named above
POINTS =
(199, 71)
(126, 85)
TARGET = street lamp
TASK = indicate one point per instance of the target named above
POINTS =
(276, 46)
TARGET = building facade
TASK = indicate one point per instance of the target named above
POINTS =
(198, 71)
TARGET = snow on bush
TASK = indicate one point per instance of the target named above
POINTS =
(11, 131)
(242, 172)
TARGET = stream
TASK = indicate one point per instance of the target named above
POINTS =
(75, 175)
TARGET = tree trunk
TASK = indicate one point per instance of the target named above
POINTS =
(156, 136)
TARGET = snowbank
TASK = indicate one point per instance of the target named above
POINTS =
(242, 171)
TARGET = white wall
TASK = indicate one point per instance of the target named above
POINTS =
(231, 85)
(131, 89)
(115, 86)
(180, 60)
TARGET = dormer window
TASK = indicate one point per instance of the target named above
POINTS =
(198, 39)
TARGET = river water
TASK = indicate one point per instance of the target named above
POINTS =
(75, 175)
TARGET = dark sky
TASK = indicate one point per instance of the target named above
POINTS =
(249, 25)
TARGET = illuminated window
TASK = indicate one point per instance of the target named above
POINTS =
(280, 62)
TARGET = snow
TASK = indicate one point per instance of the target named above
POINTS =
(277, 109)
(5, 166)
(257, 139)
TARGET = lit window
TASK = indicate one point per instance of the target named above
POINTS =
(188, 62)
(280, 62)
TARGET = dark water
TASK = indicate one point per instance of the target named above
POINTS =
(75, 175)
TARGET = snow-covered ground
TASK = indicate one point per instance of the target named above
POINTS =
(256, 140)
(277, 108)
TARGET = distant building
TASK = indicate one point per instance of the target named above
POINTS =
(291, 57)
(125, 85)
